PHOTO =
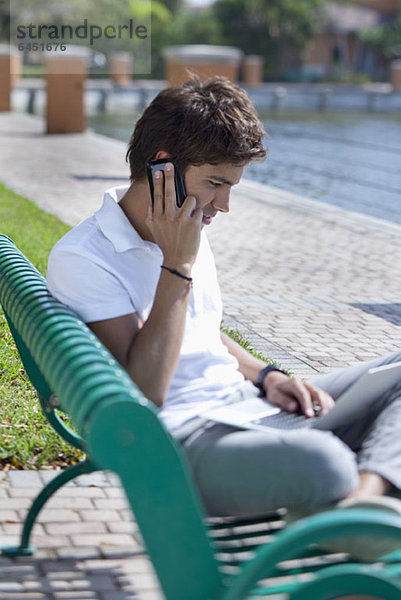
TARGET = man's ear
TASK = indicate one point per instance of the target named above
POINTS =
(162, 154)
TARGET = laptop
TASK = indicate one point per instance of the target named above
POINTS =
(259, 414)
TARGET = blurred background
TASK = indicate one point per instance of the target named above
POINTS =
(349, 41)
(324, 75)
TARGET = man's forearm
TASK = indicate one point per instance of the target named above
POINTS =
(249, 365)
(154, 353)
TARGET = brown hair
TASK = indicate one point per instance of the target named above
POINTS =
(197, 123)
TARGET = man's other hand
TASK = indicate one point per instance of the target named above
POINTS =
(296, 395)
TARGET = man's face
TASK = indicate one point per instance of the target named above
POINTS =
(211, 185)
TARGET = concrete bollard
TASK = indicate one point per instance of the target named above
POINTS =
(5, 82)
(10, 72)
(252, 70)
(66, 76)
(395, 75)
(323, 101)
(121, 68)
(279, 95)
(203, 60)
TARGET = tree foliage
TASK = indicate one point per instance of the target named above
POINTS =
(195, 27)
(276, 29)
(385, 37)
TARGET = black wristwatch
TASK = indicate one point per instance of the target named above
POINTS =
(262, 374)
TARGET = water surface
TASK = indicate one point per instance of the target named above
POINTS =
(348, 160)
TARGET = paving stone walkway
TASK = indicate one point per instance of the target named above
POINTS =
(316, 287)
(313, 286)
(88, 546)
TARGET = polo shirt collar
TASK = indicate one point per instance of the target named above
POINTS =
(116, 227)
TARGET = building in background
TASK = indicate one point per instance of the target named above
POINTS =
(338, 50)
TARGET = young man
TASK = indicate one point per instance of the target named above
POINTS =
(144, 280)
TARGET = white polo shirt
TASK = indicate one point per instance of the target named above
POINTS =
(103, 269)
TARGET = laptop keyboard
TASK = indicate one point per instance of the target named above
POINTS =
(285, 420)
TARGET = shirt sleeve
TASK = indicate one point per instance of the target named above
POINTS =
(92, 291)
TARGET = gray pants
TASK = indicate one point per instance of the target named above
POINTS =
(244, 472)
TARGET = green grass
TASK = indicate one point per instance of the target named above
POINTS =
(33, 230)
(237, 337)
(26, 440)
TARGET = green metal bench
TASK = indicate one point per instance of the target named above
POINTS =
(195, 557)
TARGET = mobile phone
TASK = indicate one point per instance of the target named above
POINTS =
(158, 165)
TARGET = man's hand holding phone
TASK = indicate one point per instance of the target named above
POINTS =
(159, 164)
(176, 230)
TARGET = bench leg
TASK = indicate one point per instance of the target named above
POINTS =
(25, 548)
